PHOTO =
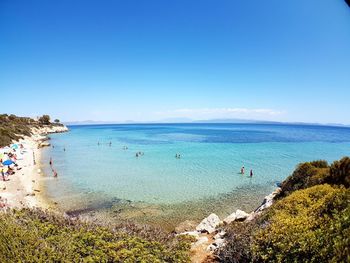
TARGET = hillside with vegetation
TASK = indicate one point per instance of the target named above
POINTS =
(37, 236)
(309, 222)
(13, 128)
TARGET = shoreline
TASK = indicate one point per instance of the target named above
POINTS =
(24, 189)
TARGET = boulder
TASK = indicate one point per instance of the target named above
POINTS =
(268, 200)
(230, 218)
(219, 235)
(216, 244)
(209, 224)
(241, 215)
(220, 242)
(252, 215)
(211, 247)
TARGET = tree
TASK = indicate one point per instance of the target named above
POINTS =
(56, 120)
(45, 119)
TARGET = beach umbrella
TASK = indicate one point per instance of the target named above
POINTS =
(8, 162)
(14, 146)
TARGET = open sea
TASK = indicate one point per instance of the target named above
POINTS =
(100, 176)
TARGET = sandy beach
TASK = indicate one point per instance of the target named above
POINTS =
(24, 188)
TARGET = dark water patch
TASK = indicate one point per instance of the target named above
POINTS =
(93, 207)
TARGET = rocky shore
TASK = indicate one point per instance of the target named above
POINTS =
(209, 233)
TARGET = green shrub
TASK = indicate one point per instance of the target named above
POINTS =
(340, 172)
(36, 236)
(317, 172)
(307, 226)
(305, 175)
(45, 119)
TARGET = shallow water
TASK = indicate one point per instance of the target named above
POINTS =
(157, 186)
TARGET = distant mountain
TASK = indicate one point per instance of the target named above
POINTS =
(188, 120)
(234, 121)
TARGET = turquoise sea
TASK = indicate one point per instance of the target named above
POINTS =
(100, 175)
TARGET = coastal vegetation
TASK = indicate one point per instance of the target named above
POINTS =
(13, 128)
(309, 222)
(37, 236)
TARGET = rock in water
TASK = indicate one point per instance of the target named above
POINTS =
(241, 215)
(209, 224)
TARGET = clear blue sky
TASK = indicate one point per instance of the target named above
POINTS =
(150, 60)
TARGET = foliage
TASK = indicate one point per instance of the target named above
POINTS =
(310, 222)
(13, 128)
(45, 119)
(308, 226)
(237, 250)
(37, 236)
(57, 121)
(340, 172)
(317, 172)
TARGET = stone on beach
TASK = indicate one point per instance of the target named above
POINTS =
(230, 218)
(241, 215)
(209, 224)
(219, 235)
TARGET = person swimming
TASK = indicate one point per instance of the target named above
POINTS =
(242, 170)
(251, 172)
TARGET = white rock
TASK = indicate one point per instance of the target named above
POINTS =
(219, 242)
(219, 235)
(230, 218)
(241, 215)
(211, 247)
(209, 224)
(252, 215)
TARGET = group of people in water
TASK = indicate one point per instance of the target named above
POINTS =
(138, 154)
(250, 173)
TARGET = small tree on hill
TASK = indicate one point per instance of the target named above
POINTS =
(57, 121)
(45, 119)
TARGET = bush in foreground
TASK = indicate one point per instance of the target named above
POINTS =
(310, 222)
(35, 236)
(311, 225)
